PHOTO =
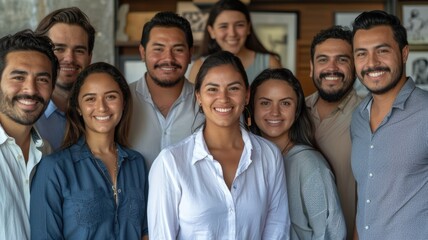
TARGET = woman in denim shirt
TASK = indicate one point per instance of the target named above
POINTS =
(95, 187)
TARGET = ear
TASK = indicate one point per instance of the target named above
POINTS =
(311, 69)
(198, 98)
(211, 32)
(405, 53)
(247, 97)
(142, 52)
(79, 111)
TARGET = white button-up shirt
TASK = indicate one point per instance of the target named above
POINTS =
(15, 179)
(189, 199)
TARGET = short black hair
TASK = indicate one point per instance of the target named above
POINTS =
(335, 32)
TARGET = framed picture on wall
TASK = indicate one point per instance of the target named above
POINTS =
(345, 18)
(414, 17)
(278, 32)
(417, 68)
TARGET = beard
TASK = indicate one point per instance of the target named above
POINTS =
(166, 83)
(7, 107)
(336, 95)
(391, 85)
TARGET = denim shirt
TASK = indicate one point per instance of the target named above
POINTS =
(72, 198)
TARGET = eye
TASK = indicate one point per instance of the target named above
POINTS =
(80, 51)
(211, 89)
(234, 88)
(44, 80)
(285, 103)
(111, 97)
(19, 78)
(89, 99)
(343, 60)
(264, 103)
(322, 60)
(59, 49)
(360, 54)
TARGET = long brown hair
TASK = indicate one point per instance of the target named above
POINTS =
(75, 127)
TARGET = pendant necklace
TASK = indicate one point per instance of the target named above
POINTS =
(113, 180)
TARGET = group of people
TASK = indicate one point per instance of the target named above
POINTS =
(234, 152)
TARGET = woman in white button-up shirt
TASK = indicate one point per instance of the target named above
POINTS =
(222, 182)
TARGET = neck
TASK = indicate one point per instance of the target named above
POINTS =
(101, 143)
(164, 97)
(325, 108)
(60, 98)
(21, 133)
(222, 138)
(283, 142)
(386, 100)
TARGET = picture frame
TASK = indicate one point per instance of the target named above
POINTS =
(414, 17)
(278, 32)
(417, 68)
(345, 18)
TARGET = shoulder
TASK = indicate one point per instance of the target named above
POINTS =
(263, 146)
(274, 61)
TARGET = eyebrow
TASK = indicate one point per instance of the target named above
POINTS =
(268, 99)
(376, 47)
(75, 47)
(92, 94)
(22, 72)
(230, 84)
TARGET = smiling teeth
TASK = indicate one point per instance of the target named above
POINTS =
(331, 78)
(223, 110)
(274, 121)
(27, 101)
(102, 118)
(68, 69)
(375, 74)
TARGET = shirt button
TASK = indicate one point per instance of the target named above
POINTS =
(366, 227)
(371, 146)
(119, 190)
(370, 174)
(368, 201)
(234, 186)
(27, 181)
(230, 210)
(19, 156)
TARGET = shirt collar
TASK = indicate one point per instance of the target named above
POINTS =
(35, 137)
(200, 151)
(312, 100)
(85, 153)
(399, 101)
(51, 108)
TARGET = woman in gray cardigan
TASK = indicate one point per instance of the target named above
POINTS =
(278, 113)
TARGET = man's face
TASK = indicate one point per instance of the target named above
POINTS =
(71, 49)
(332, 69)
(379, 62)
(167, 56)
(26, 86)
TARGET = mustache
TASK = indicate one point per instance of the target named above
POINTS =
(336, 74)
(375, 69)
(172, 64)
(30, 97)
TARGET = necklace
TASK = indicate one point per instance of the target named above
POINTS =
(113, 180)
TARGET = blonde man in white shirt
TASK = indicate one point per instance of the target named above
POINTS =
(28, 69)
(222, 182)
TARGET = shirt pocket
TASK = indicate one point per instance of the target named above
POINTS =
(136, 206)
(89, 207)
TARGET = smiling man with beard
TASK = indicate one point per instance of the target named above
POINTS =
(164, 111)
(389, 132)
(331, 107)
(28, 69)
(73, 37)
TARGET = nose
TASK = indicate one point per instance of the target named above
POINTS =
(275, 109)
(68, 56)
(102, 105)
(224, 95)
(29, 86)
(372, 60)
(168, 55)
(332, 65)
(231, 31)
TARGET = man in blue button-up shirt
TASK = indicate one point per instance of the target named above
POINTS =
(389, 132)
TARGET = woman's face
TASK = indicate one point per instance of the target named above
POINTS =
(100, 103)
(230, 30)
(275, 104)
(223, 96)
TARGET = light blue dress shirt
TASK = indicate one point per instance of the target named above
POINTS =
(71, 198)
(51, 125)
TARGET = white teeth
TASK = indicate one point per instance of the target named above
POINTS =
(27, 101)
(375, 74)
(331, 78)
(68, 69)
(102, 118)
(168, 68)
(223, 110)
(273, 121)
